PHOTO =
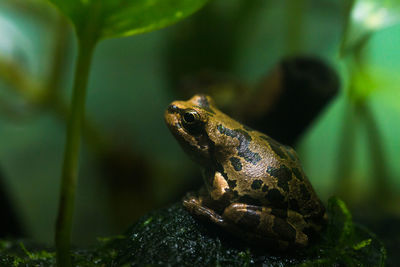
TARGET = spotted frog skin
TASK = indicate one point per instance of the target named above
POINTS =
(254, 187)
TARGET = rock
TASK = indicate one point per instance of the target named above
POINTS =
(171, 236)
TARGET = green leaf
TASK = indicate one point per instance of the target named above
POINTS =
(367, 17)
(375, 15)
(114, 18)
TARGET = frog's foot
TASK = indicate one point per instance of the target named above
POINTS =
(195, 206)
(263, 224)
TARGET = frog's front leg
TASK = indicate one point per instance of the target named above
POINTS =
(264, 224)
(210, 203)
(195, 204)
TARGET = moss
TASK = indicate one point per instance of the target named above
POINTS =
(172, 236)
(26, 253)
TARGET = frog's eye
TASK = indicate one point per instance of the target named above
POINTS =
(190, 117)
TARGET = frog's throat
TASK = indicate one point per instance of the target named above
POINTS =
(199, 150)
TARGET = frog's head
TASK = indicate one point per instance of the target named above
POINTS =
(188, 121)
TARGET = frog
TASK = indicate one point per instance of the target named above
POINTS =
(254, 186)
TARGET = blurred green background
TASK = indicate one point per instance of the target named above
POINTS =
(131, 164)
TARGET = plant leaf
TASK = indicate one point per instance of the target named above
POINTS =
(341, 223)
(375, 15)
(367, 17)
(115, 18)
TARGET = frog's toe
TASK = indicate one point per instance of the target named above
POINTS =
(191, 203)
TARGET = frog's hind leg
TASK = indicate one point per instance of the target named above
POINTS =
(265, 225)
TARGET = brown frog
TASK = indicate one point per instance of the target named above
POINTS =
(255, 187)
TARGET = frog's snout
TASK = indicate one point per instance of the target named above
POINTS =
(172, 109)
(171, 116)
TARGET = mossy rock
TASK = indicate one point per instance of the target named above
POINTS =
(171, 236)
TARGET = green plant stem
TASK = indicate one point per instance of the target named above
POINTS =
(71, 155)
(382, 193)
(348, 7)
(294, 19)
(346, 153)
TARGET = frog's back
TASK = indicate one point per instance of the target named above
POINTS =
(272, 176)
